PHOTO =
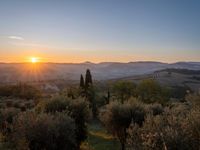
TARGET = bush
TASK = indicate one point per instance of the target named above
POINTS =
(123, 90)
(6, 119)
(194, 99)
(56, 104)
(117, 117)
(44, 131)
(179, 92)
(155, 109)
(20, 90)
(150, 91)
(78, 109)
(167, 131)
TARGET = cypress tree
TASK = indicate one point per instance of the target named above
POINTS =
(82, 81)
(108, 97)
(88, 78)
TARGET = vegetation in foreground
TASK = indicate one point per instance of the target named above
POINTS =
(121, 115)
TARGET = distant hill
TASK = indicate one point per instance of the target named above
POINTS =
(12, 72)
(171, 77)
(181, 71)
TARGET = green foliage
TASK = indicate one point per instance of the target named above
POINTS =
(20, 90)
(44, 131)
(82, 84)
(107, 98)
(56, 104)
(149, 91)
(179, 92)
(91, 98)
(155, 109)
(72, 92)
(61, 122)
(123, 90)
(168, 131)
(88, 91)
(6, 119)
(194, 99)
(77, 109)
(88, 79)
(117, 117)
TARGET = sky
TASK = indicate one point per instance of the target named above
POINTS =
(99, 30)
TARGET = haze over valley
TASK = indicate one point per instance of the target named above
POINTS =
(22, 72)
(99, 74)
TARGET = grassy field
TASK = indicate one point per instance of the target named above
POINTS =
(99, 139)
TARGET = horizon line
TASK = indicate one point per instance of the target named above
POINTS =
(90, 62)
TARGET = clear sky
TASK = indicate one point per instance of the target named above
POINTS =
(100, 30)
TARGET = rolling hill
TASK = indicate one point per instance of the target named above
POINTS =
(12, 72)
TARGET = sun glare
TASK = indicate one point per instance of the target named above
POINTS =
(34, 59)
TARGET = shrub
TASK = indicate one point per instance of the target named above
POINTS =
(78, 109)
(179, 92)
(117, 117)
(155, 109)
(56, 104)
(194, 99)
(6, 119)
(167, 131)
(21, 91)
(150, 91)
(123, 90)
(44, 131)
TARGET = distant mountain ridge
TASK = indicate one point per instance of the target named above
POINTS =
(15, 72)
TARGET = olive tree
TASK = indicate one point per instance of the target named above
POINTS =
(117, 117)
(44, 131)
(123, 90)
(77, 109)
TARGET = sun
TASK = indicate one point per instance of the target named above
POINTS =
(34, 60)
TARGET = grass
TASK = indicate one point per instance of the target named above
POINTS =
(99, 139)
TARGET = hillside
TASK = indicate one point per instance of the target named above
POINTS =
(171, 77)
(68, 71)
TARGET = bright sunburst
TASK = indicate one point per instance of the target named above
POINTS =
(34, 59)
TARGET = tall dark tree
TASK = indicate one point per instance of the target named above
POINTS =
(91, 98)
(88, 79)
(107, 97)
(82, 84)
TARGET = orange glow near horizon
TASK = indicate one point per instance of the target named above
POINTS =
(39, 58)
(34, 60)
